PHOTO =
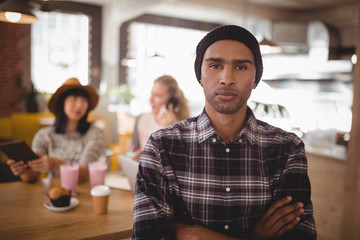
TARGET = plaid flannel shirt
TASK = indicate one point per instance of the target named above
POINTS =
(187, 173)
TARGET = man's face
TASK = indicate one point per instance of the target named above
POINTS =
(227, 76)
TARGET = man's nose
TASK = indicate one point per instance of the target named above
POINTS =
(226, 77)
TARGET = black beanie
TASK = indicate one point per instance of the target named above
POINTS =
(229, 32)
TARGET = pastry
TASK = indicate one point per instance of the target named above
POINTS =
(59, 197)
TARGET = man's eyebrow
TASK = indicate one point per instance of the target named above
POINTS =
(235, 61)
(211, 59)
(239, 61)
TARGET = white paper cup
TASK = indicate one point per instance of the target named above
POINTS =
(100, 195)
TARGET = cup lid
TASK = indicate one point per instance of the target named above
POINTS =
(100, 190)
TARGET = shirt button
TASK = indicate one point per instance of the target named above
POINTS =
(227, 150)
(226, 227)
(227, 189)
(214, 140)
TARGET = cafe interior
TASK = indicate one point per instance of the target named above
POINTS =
(310, 86)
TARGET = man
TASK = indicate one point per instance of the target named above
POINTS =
(224, 174)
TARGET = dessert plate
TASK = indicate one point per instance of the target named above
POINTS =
(73, 203)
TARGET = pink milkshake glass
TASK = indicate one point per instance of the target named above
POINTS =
(69, 176)
(97, 171)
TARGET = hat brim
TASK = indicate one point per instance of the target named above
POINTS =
(93, 96)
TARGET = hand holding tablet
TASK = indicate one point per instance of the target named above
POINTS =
(18, 151)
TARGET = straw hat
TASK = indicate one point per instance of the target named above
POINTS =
(69, 84)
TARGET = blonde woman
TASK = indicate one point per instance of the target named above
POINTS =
(168, 106)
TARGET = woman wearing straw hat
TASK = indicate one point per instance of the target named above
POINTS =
(72, 139)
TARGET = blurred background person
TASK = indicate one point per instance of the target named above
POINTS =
(168, 106)
(71, 139)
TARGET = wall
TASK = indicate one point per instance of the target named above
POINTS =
(327, 188)
(342, 23)
(14, 66)
(15, 56)
(351, 204)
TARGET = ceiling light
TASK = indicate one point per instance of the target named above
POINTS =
(157, 56)
(354, 59)
(128, 62)
(17, 11)
(268, 47)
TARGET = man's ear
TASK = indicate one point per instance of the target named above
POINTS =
(200, 81)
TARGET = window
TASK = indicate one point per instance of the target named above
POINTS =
(157, 51)
(60, 49)
(68, 40)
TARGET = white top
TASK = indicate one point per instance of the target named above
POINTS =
(71, 146)
(145, 127)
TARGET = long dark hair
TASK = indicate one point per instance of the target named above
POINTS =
(61, 119)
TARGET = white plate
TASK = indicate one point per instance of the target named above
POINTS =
(73, 203)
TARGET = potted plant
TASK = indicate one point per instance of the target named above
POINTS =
(120, 94)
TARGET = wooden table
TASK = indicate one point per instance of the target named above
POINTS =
(23, 215)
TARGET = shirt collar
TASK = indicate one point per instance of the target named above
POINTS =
(206, 130)
(250, 131)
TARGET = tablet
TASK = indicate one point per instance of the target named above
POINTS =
(130, 168)
(18, 150)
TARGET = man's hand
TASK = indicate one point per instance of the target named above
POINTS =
(278, 219)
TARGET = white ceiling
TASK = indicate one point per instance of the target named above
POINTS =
(225, 11)
(289, 4)
(302, 4)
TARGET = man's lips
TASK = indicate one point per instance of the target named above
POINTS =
(226, 95)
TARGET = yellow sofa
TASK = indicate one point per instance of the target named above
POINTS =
(22, 126)
(25, 125)
(5, 129)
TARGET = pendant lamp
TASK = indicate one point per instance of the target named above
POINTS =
(17, 11)
(268, 47)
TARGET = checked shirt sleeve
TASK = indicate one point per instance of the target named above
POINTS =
(294, 181)
(153, 213)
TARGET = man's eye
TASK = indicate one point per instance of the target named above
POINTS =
(214, 66)
(241, 67)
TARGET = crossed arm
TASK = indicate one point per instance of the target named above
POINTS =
(278, 219)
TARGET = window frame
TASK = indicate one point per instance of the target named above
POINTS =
(159, 20)
(94, 12)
